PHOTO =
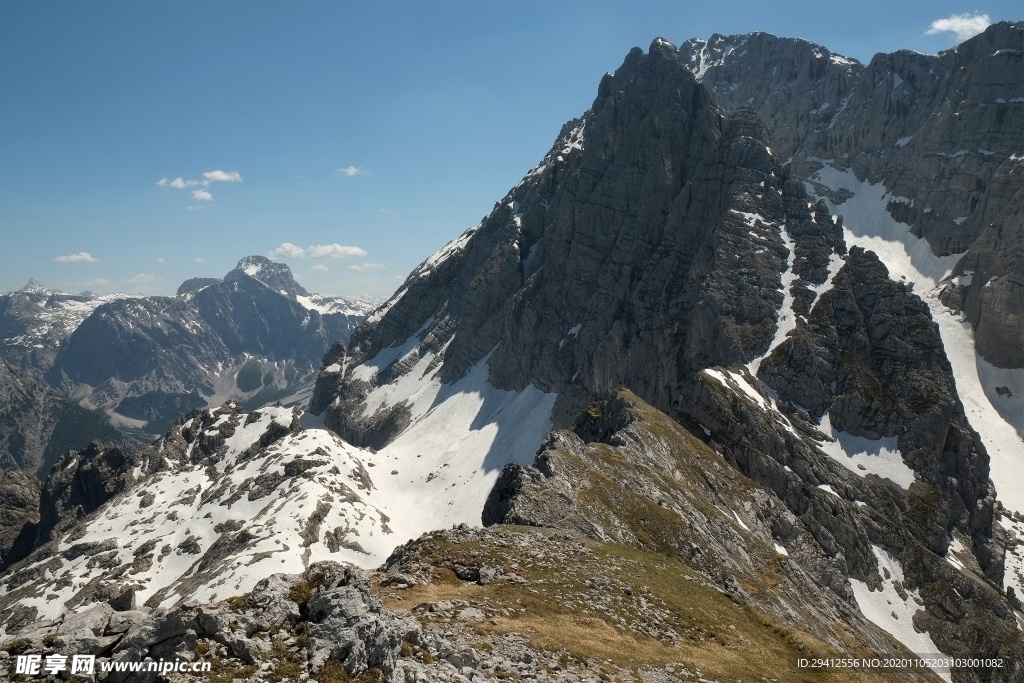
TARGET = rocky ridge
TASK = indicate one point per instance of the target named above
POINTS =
(225, 497)
(453, 607)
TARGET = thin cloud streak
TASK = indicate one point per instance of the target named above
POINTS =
(352, 171)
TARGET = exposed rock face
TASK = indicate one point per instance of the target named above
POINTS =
(644, 247)
(870, 358)
(19, 515)
(988, 285)
(943, 130)
(80, 483)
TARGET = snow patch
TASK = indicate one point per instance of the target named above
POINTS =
(863, 456)
(786, 322)
(893, 614)
(868, 224)
(740, 521)
(842, 61)
(964, 279)
(827, 488)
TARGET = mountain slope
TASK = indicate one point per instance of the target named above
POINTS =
(38, 425)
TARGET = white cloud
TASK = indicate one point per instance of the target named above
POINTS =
(221, 177)
(181, 183)
(142, 279)
(335, 251)
(80, 257)
(963, 25)
(198, 259)
(332, 251)
(362, 267)
(353, 171)
(194, 208)
(161, 259)
(209, 177)
(287, 250)
(320, 267)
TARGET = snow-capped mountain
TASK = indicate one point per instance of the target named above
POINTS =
(693, 328)
(39, 317)
(785, 310)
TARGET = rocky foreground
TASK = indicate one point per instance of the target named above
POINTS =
(500, 604)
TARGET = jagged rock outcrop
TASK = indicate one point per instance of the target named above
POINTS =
(320, 619)
(870, 358)
(661, 247)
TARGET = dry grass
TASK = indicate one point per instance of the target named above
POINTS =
(755, 646)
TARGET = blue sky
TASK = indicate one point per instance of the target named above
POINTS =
(360, 135)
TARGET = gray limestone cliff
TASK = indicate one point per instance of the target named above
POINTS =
(942, 130)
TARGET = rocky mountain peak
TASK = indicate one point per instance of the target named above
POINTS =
(276, 276)
(33, 286)
(635, 222)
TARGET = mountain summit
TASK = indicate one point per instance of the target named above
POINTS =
(33, 286)
(276, 276)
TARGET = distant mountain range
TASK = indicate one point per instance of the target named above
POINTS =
(110, 363)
